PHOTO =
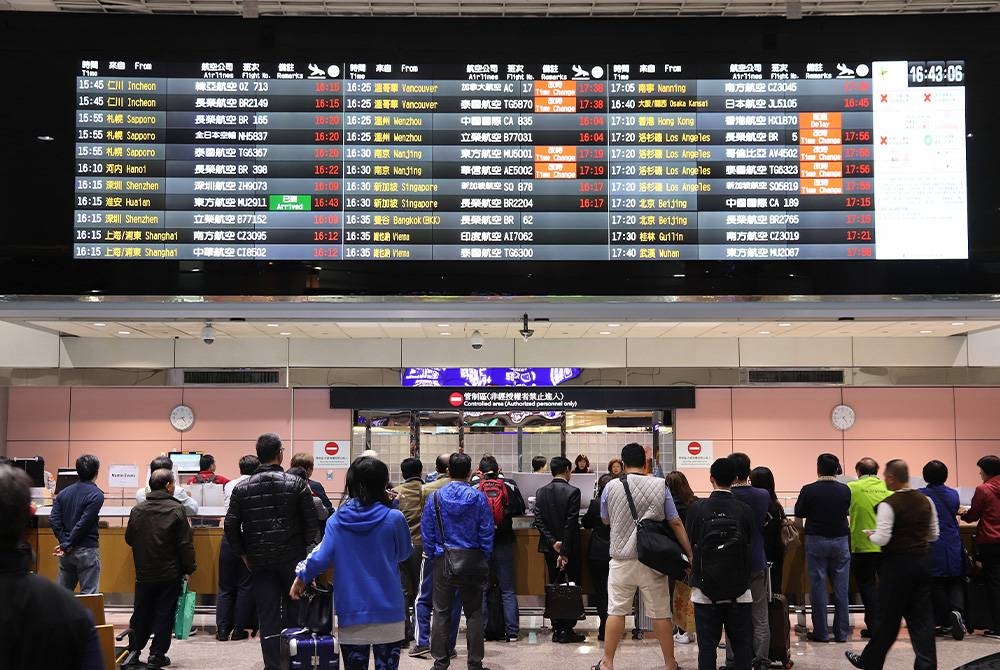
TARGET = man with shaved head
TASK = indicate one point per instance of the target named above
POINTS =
(866, 493)
(905, 525)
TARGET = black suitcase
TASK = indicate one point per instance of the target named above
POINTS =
(977, 605)
(780, 652)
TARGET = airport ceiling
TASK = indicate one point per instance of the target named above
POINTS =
(257, 8)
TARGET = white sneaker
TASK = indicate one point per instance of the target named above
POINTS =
(682, 638)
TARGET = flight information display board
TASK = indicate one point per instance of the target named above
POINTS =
(500, 161)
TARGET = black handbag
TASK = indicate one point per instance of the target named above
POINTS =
(462, 567)
(316, 610)
(563, 600)
(657, 547)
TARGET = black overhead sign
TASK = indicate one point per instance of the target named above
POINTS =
(541, 398)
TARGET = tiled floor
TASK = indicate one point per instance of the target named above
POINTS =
(535, 651)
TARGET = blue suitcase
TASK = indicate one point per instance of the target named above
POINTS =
(303, 650)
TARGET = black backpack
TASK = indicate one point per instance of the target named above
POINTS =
(723, 559)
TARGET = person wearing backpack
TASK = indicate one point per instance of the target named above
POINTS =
(720, 528)
(206, 472)
(505, 502)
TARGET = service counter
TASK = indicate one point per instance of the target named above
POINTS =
(118, 572)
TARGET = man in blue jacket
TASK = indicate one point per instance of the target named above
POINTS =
(74, 523)
(467, 523)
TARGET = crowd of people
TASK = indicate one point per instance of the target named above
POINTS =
(396, 583)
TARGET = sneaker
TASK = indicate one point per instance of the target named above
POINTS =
(512, 637)
(222, 636)
(855, 659)
(453, 653)
(158, 661)
(682, 638)
(992, 632)
(420, 651)
(239, 634)
(957, 625)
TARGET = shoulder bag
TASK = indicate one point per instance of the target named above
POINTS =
(316, 610)
(656, 544)
(462, 567)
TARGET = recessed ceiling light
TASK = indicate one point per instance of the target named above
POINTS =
(195, 269)
(784, 325)
(317, 267)
(679, 275)
(49, 138)
(284, 332)
(763, 332)
(926, 332)
(958, 323)
(124, 332)
(99, 325)
(445, 334)
(605, 332)
(444, 325)
(614, 325)
(272, 325)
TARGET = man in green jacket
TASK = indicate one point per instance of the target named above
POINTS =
(866, 493)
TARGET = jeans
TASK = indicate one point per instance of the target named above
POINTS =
(829, 557)
(234, 606)
(737, 619)
(759, 619)
(274, 608)
(153, 614)
(904, 590)
(503, 563)
(82, 565)
(355, 656)
(865, 567)
(425, 604)
(444, 600)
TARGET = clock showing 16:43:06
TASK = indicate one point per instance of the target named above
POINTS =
(182, 417)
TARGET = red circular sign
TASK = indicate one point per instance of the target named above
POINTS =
(694, 448)
(332, 448)
(456, 399)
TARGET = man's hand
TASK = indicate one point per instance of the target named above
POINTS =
(963, 511)
(562, 562)
(58, 551)
(298, 588)
(557, 546)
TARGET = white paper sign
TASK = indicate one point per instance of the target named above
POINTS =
(123, 476)
(331, 454)
(695, 454)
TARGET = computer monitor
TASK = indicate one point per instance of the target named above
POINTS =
(34, 467)
(65, 477)
(186, 461)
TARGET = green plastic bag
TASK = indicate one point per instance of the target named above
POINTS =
(184, 616)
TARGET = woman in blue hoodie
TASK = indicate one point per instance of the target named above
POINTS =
(365, 541)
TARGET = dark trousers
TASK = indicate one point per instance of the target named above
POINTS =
(153, 614)
(271, 584)
(866, 567)
(777, 571)
(355, 656)
(573, 572)
(737, 620)
(472, 603)
(409, 575)
(948, 595)
(234, 606)
(599, 598)
(904, 591)
(989, 554)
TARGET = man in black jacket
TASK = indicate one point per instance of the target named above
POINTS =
(272, 525)
(42, 625)
(557, 518)
(720, 528)
(163, 552)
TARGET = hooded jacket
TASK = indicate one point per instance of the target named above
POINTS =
(365, 545)
(466, 517)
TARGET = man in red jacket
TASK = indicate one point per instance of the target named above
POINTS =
(206, 465)
(985, 509)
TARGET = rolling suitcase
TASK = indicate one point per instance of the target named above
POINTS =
(304, 650)
(780, 652)
(977, 605)
(643, 624)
